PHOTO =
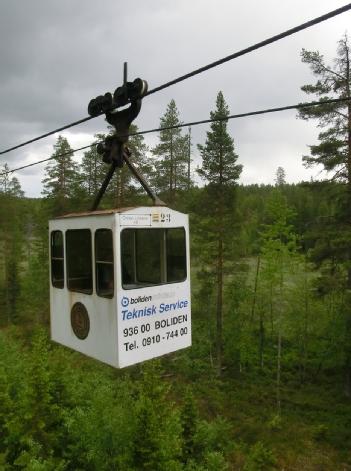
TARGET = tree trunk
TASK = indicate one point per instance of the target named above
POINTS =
(219, 316)
(348, 93)
(279, 323)
(255, 289)
(305, 333)
(261, 340)
(279, 370)
(171, 170)
(348, 223)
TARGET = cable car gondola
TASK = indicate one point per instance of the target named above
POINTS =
(120, 278)
(120, 283)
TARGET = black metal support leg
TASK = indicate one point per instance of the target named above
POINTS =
(104, 186)
(156, 200)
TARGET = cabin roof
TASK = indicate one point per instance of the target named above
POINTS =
(102, 212)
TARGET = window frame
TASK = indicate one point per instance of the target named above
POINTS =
(90, 292)
(104, 262)
(163, 261)
(62, 259)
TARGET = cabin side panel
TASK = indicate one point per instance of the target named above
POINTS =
(80, 318)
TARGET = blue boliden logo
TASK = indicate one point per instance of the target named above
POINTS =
(125, 301)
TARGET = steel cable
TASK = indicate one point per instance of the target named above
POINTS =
(194, 123)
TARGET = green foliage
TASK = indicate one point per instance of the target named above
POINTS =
(101, 427)
(260, 458)
(320, 432)
(189, 421)
(213, 436)
(157, 443)
(215, 461)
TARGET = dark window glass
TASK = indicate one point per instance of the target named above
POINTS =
(57, 260)
(176, 255)
(152, 257)
(149, 255)
(128, 257)
(79, 261)
(104, 263)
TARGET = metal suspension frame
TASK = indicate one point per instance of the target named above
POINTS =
(114, 150)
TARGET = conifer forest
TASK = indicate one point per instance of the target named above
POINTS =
(266, 384)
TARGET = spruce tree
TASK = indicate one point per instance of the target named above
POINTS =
(61, 180)
(221, 172)
(280, 177)
(172, 155)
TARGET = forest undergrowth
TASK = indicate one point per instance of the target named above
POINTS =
(61, 410)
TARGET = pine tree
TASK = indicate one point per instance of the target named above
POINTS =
(334, 153)
(60, 182)
(221, 173)
(280, 177)
(172, 153)
(11, 244)
(4, 179)
(334, 150)
(9, 186)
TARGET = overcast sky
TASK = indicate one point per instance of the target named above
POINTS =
(56, 55)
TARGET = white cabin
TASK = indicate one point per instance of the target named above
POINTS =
(120, 283)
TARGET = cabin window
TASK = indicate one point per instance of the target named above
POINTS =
(152, 257)
(57, 260)
(79, 261)
(104, 263)
(176, 255)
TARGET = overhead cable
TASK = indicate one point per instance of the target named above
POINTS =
(235, 55)
(193, 123)
(70, 152)
(256, 46)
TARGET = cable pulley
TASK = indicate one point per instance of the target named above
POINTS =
(127, 93)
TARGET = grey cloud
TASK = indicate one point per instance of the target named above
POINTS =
(56, 55)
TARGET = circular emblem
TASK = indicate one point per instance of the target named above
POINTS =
(80, 321)
(125, 301)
